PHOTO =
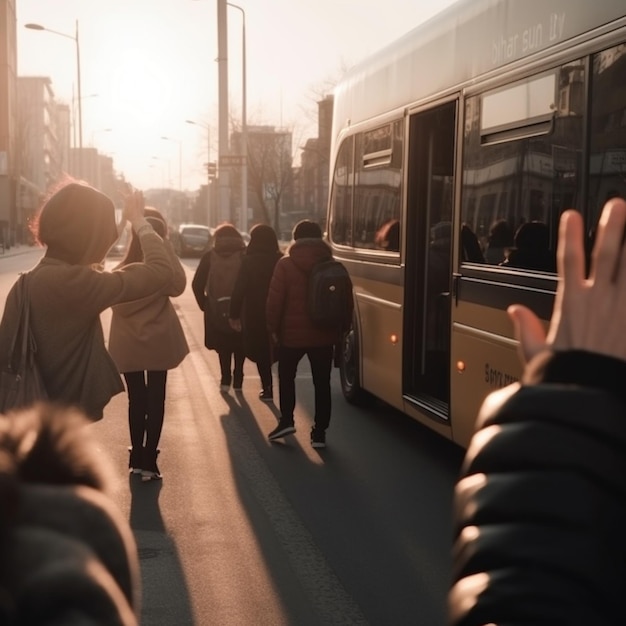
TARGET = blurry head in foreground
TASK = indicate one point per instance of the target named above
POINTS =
(67, 555)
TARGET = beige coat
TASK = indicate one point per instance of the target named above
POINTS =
(66, 303)
(147, 334)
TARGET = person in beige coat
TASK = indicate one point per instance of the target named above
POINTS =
(68, 290)
(146, 340)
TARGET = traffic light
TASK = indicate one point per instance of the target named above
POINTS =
(212, 170)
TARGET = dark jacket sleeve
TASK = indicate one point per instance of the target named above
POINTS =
(200, 278)
(239, 290)
(276, 297)
(540, 507)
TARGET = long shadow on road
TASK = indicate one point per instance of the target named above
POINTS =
(358, 533)
(165, 598)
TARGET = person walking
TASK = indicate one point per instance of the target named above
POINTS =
(294, 332)
(212, 285)
(146, 340)
(247, 306)
(68, 291)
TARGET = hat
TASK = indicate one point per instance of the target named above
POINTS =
(307, 229)
(77, 224)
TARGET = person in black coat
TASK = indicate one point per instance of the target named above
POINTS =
(541, 502)
(247, 305)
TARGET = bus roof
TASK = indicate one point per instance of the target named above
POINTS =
(464, 41)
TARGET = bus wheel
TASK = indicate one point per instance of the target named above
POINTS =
(349, 369)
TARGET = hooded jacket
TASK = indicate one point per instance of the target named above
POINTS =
(286, 307)
(65, 305)
(225, 246)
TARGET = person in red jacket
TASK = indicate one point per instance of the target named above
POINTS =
(295, 334)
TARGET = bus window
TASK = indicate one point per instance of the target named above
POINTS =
(378, 187)
(607, 156)
(522, 182)
(341, 195)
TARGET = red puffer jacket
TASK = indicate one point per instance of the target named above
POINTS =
(286, 308)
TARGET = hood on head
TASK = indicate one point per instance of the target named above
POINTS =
(77, 224)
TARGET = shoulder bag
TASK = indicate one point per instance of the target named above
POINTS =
(21, 383)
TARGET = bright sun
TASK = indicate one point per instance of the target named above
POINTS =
(139, 88)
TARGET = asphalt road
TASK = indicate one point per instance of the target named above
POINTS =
(246, 532)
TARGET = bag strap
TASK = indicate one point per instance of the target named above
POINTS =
(25, 315)
(23, 312)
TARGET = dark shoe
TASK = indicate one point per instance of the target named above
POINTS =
(283, 429)
(318, 438)
(134, 460)
(150, 469)
(266, 394)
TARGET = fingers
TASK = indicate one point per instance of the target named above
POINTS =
(570, 250)
(607, 251)
(529, 331)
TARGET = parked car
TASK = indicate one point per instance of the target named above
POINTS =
(191, 239)
(121, 245)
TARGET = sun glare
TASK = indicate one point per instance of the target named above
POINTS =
(140, 90)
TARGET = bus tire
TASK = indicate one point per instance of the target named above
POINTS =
(349, 369)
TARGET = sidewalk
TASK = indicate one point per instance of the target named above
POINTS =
(17, 249)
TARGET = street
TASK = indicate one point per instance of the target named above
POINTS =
(241, 531)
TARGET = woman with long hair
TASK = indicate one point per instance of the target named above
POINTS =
(247, 306)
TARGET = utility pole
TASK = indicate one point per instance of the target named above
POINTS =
(223, 148)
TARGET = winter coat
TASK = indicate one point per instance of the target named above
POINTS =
(286, 306)
(214, 339)
(541, 503)
(66, 302)
(249, 298)
(68, 554)
(147, 334)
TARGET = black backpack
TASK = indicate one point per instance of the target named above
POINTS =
(329, 295)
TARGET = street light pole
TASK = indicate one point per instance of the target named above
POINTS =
(208, 156)
(180, 161)
(243, 218)
(80, 110)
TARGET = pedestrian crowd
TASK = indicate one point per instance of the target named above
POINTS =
(539, 505)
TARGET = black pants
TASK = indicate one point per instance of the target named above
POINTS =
(321, 360)
(146, 407)
(226, 358)
(264, 367)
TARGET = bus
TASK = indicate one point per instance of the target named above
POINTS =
(454, 152)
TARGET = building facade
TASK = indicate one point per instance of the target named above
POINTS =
(8, 112)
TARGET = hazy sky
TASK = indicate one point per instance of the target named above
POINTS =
(149, 65)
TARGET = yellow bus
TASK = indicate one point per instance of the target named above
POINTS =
(454, 151)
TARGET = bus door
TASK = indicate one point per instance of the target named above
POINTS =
(430, 193)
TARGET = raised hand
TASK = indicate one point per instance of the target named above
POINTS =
(588, 313)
